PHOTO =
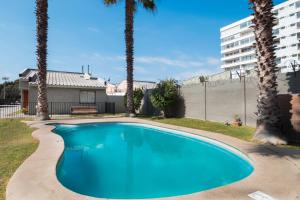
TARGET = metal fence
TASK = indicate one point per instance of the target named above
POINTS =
(56, 109)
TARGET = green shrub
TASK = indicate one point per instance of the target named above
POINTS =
(138, 96)
(165, 95)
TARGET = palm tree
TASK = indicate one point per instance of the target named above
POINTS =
(42, 34)
(130, 8)
(268, 121)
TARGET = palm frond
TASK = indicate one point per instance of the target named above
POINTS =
(148, 4)
(110, 2)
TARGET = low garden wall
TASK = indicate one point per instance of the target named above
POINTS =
(222, 100)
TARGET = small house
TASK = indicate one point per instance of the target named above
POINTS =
(65, 90)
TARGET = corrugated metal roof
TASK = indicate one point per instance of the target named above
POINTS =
(64, 79)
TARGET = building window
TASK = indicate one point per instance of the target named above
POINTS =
(244, 50)
(245, 41)
(297, 4)
(246, 58)
(278, 61)
(228, 38)
(245, 24)
(231, 45)
(276, 32)
(298, 14)
(246, 33)
(87, 97)
(230, 53)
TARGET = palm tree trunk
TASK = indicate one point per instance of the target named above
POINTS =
(130, 4)
(268, 116)
(42, 33)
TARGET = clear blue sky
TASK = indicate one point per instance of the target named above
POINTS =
(180, 40)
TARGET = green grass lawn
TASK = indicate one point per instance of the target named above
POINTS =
(16, 144)
(244, 132)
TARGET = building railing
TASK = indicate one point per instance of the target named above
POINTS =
(14, 110)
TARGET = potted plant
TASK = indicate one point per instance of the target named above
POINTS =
(25, 110)
(237, 121)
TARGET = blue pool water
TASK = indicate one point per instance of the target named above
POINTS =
(130, 161)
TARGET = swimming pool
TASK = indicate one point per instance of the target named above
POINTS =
(134, 161)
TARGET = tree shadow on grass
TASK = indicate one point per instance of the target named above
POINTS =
(270, 150)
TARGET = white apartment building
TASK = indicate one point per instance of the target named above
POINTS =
(237, 49)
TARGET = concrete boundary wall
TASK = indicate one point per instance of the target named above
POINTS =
(221, 100)
(119, 103)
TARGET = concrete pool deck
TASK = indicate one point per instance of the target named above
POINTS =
(277, 170)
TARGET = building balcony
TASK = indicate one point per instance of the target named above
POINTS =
(226, 58)
(232, 65)
(237, 47)
(238, 38)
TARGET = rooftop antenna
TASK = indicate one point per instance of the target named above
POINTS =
(88, 69)
(82, 69)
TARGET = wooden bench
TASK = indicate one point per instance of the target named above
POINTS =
(83, 110)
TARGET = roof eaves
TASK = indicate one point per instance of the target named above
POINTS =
(68, 86)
